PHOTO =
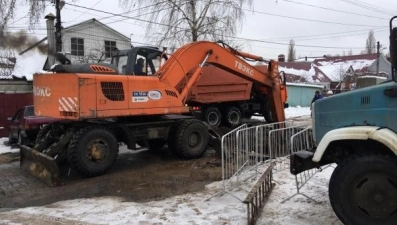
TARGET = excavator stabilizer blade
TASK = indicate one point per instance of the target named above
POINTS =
(40, 165)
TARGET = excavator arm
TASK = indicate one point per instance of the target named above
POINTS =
(197, 54)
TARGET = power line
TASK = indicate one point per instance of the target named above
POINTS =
(85, 11)
(369, 7)
(335, 10)
(318, 35)
(247, 39)
(338, 36)
(305, 46)
(310, 20)
(271, 14)
(230, 37)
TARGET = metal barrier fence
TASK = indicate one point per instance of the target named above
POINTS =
(259, 195)
(246, 148)
(264, 149)
(302, 140)
(230, 165)
(280, 147)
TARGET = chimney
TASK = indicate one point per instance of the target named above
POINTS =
(50, 38)
(281, 58)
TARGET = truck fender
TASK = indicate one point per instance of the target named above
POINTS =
(382, 135)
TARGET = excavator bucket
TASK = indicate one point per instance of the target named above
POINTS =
(40, 165)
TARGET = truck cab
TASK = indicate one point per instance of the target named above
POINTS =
(126, 60)
(357, 130)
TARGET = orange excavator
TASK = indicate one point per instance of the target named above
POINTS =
(102, 105)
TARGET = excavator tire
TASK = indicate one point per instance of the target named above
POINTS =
(213, 116)
(192, 139)
(93, 150)
(233, 117)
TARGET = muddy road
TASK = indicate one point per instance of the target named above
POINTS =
(136, 176)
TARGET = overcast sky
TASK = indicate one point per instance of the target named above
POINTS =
(318, 26)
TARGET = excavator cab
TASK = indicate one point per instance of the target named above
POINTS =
(127, 60)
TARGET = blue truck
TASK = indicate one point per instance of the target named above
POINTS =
(357, 130)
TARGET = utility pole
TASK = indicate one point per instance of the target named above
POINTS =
(58, 27)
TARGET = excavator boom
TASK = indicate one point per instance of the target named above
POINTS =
(190, 55)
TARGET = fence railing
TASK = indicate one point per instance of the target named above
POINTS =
(229, 151)
(258, 196)
(303, 140)
(279, 143)
(246, 148)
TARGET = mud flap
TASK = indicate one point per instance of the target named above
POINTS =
(301, 161)
(40, 165)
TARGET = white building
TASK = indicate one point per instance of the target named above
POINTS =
(92, 41)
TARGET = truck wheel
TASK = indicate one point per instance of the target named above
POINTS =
(233, 117)
(213, 116)
(363, 188)
(92, 151)
(192, 139)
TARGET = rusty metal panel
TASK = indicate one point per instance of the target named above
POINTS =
(9, 104)
(217, 85)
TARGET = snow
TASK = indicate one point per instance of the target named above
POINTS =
(336, 70)
(305, 85)
(29, 63)
(307, 74)
(206, 207)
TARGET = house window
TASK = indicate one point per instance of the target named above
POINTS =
(77, 46)
(109, 46)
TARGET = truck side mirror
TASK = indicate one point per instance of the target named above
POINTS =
(393, 47)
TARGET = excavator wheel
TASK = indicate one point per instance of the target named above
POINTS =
(93, 150)
(191, 140)
(212, 116)
(233, 117)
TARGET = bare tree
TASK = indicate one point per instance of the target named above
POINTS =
(7, 62)
(350, 52)
(175, 22)
(291, 51)
(8, 8)
(370, 46)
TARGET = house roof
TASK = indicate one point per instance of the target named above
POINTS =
(336, 67)
(297, 71)
(327, 69)
(98, 23)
